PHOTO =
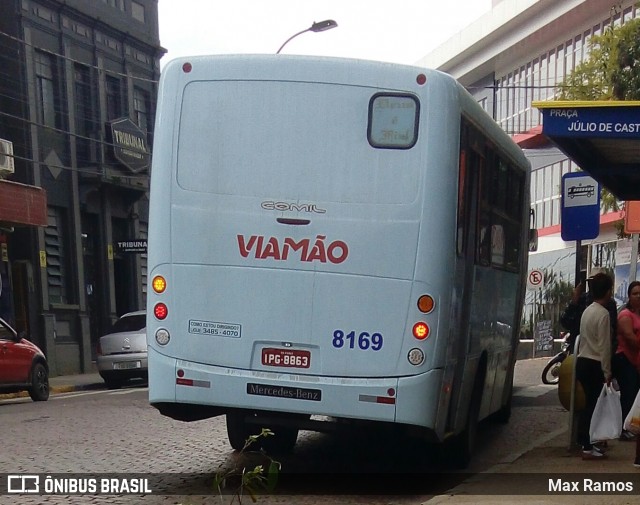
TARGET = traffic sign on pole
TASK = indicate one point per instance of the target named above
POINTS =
(632, 216)
(580, 216)
(535, 279)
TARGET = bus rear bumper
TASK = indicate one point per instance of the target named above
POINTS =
(190, 391)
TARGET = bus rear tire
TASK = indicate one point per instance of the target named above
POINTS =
(503, 415)
(239, 430)
(460, 450)
(283, 440)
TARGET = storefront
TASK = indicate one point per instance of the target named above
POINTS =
(20, 206)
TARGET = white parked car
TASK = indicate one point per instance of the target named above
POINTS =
(122, 353)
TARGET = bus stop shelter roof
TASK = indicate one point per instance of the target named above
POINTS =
(601, 137)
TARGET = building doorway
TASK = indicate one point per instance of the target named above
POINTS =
(124, 274)
(95, 284)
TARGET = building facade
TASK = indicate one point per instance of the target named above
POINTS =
(516, 54)
(77, 102)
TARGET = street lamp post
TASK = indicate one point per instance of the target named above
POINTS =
(320, 26)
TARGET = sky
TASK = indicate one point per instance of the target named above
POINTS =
(399, 31)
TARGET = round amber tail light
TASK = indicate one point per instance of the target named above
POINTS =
(159, 284)
(426, 304)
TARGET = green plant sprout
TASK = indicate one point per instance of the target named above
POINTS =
(262, 477)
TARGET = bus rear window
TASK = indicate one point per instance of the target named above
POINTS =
(393, 121)
(293, 140)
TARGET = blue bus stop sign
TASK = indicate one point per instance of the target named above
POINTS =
(580, 216)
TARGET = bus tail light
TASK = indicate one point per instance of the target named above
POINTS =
(426, 304)
(159, 284)
(162, 336)
(420, 330)
(416, 356)
(161, 311)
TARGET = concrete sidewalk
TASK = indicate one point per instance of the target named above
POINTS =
(66, 384)
(530, 477)
(80, 382)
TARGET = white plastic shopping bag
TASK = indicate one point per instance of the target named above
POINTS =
(632, 422)
(606, 422)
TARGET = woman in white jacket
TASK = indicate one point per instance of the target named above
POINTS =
(593, 365)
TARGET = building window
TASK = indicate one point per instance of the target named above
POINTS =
(114, 98)
(46, 89)
(55, 236)
(137, 11)
(84, 112)
(546, 194)
(141, 108)
(115, 3)
(44, 13)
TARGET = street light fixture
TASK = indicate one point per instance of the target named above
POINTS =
(320, 26)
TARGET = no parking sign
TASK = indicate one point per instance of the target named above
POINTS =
(535, 279)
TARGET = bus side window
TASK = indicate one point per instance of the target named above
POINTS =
(498, 197)
(484, 213)
(503, 203)
(462, 218)
(515, 191)
(497, 244)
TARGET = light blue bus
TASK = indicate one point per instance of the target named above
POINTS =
(332, 241)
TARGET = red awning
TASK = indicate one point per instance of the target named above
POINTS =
(531, 139)
(22, 205)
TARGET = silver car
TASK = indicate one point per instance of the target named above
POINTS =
(122, 354)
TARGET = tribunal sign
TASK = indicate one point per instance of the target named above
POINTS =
(132, 246)
(130, 145)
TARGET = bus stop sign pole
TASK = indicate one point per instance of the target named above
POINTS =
(573, 419)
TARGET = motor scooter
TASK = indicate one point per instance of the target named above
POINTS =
(551, 371)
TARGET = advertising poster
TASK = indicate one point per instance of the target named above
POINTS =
(543, 337)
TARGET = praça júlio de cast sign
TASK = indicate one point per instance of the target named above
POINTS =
(593, 121)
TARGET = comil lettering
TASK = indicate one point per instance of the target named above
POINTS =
(295, 207)
(308, 250)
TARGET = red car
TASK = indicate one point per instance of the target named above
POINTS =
(23, 365)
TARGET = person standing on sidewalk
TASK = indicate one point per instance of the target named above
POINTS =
(593, 365)
(626, 360)
(580, 300)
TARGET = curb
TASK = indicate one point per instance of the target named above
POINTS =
(62, 388)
